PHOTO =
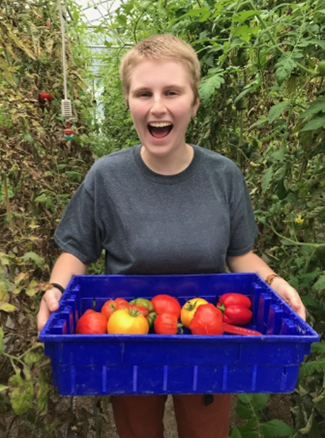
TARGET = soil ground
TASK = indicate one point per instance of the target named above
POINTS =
(278, 408)
(92, 417)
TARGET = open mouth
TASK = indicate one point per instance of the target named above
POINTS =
(160, 130)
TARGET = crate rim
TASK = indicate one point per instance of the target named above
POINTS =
(55, 338)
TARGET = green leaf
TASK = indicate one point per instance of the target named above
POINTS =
(316, 107)
(245, 398)
(275, 429)
(235, 433)
(1, 340)
(243, 410)
(259, 123)
(6, 307)
(311, 367)
(313, 41)
(29, 138)
(209, 86)
(279, 154)
(299, 261)
(22, 395)
(245, 32)
(3, 289)
(41, 198)
(3, 387)
(316, 123)
(318, 348)
(248, 89)
(34, 257)
(244, 15)
(280, 173)
(266, 178)
(319, 286)
(41, 390)
(259, 401)
(76, 176)
(4, 259)
(32, 357)
(284, 67)
(277, 110)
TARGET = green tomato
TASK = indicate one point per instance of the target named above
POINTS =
(147, 304)
(321, 68)
(151, 319)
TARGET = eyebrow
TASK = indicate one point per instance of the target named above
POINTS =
(168, 87)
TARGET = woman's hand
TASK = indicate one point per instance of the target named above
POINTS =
(49, 303)
(290, 296)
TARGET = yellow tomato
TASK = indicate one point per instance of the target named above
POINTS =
(189, 309)
(127, 322)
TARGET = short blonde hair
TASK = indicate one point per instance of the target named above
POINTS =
(161, 47)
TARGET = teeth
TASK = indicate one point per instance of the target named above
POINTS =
(159, 125)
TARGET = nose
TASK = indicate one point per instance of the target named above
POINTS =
(158, 106)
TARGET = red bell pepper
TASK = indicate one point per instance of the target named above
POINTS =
(234, 330)
(235, 308)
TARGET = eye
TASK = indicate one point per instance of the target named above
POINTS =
(172, 93)
(143, 94)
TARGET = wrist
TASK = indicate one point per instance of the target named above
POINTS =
(57, 286)
(271, 278)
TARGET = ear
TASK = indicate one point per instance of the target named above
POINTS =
(195, 106)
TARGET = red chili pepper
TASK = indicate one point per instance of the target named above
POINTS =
(235, 308)
(234, 330)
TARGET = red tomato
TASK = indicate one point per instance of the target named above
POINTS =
(93, 323)
(45, 96)
(166, 304)
(89, 311)
(110, 306)
(121, 303)
(207, 320)
(166, 324)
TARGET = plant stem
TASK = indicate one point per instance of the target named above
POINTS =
(314, 245)
(260, 19)
(12, 358)
(30, 349)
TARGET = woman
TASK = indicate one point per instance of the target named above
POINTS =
(162, 207)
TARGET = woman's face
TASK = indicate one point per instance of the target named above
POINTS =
(161, 105)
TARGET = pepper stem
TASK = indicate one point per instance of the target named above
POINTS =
(221, 307)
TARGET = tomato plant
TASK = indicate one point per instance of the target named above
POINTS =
(166, 304)
(92, 322)
(189, 309)
(127, 321)
(207, 321)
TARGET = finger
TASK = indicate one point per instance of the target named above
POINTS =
(51, 298)
(301, 312)
(42, 316)
(298, 306)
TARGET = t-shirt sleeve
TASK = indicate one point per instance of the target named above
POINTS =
(243, 228)
(78, 232)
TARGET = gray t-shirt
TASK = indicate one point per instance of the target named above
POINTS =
(156, 224)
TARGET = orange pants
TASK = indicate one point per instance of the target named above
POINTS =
(141, 416)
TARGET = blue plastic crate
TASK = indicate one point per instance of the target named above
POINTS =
(175, 364)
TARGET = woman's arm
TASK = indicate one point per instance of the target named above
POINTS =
(251, 262)
(65, 267)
